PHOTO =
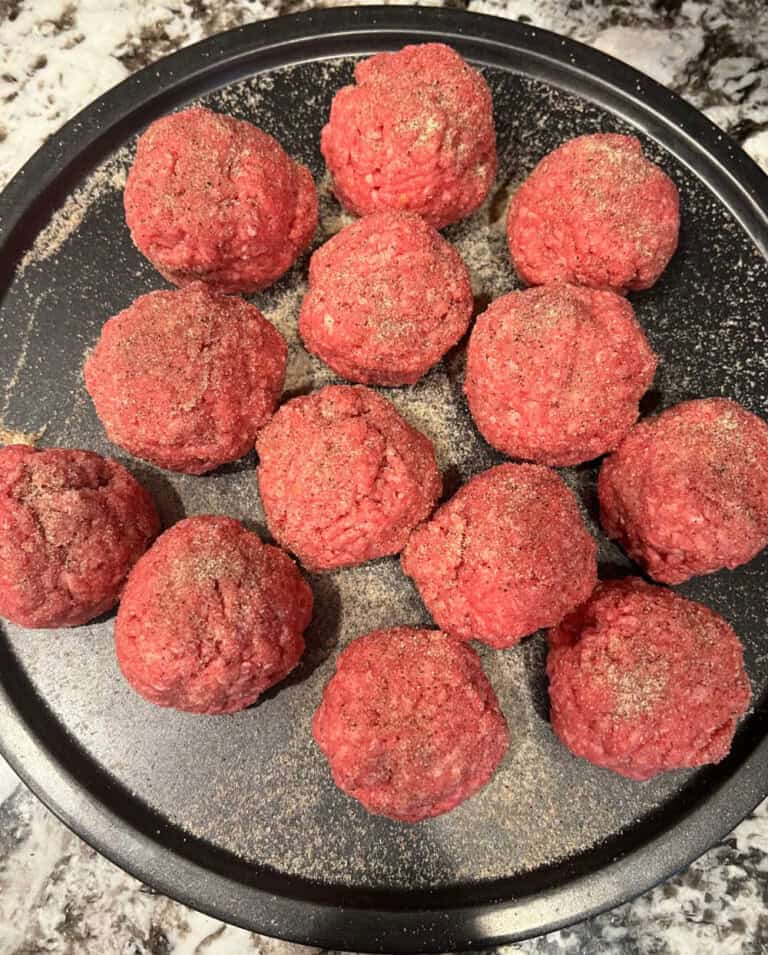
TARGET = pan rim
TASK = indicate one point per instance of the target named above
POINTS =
(352, 921)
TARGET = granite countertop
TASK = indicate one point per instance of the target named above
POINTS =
(56, 894)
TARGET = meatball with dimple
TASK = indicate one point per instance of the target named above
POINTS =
(72, 524)
(211, 618)
(508, 554)
(186, 379)
(414, 133)
(388, 296)
(555, 374)
(410, 724)
(686, 493)
(642, 681)
(214, 198)
(594, 212)
(343, 478)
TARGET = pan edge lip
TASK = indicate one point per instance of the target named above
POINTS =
(403, 933)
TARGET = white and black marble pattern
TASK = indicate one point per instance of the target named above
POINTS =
(57, 895)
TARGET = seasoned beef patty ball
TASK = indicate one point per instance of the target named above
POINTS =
(410, 724)
(686, 493)
(595, 212)
(642, 681)
(72, 524)
(343, 478)
(214, 198)
(555, 374)
(508, 554)
(415, 132)
(211, 617)
(388, 296)
(185, 379)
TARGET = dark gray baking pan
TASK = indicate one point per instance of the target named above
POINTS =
(237, 815)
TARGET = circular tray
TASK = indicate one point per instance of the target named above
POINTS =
(237, 815)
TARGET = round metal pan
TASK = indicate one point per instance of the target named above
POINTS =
(237, 815)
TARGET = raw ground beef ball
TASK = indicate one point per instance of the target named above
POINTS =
(214, 198)
(72, 524)
(185, 379)
(642, 681)
(410, 724)
(211, 617)
(415, 132)
(686, 493)
(388, 296)
(343, 478)
(555, 374)
(508, 554)
(594, 212)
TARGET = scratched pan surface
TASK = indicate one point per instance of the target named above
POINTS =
(237, 815)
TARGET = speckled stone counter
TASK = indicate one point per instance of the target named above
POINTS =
(59, 896)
